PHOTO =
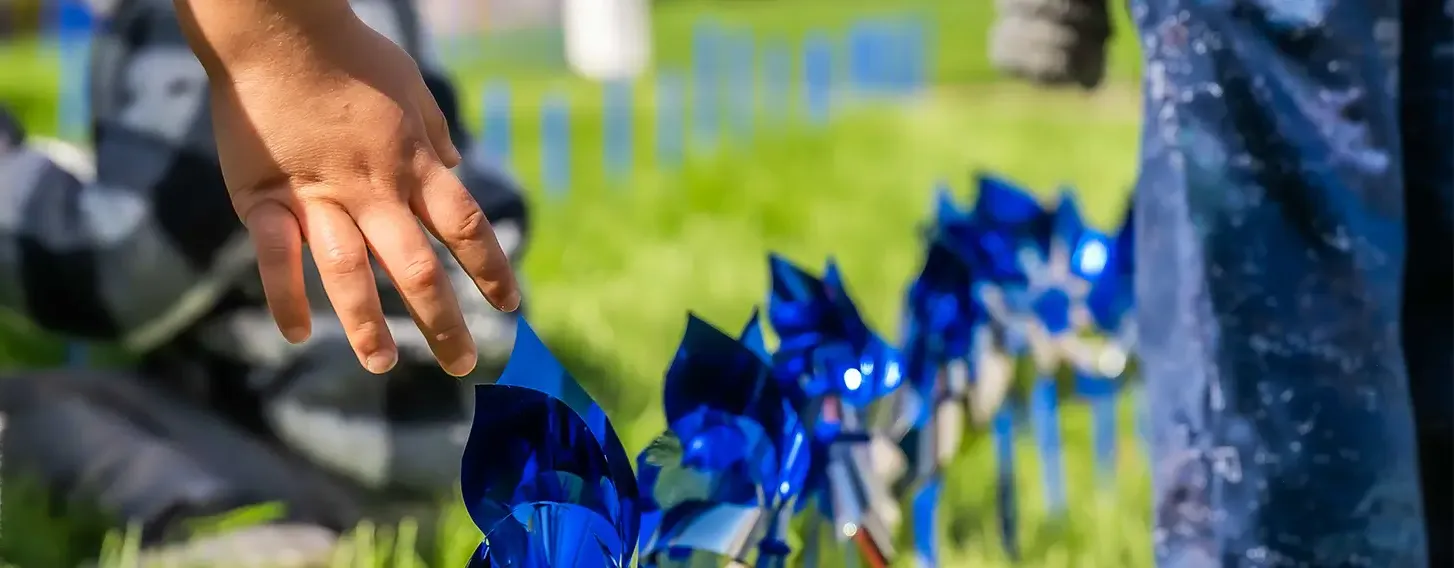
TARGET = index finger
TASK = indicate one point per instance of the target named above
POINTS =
(453, 216)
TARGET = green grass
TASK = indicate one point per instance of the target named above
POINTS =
(616, 265)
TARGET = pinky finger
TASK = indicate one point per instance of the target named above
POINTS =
(278, 239)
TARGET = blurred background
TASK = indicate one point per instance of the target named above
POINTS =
(663, 170)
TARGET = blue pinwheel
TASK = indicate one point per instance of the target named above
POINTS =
(942, 324)
(1111, 297)
(1109, 302)
(543, 475)
(723, 481)
(836, 368)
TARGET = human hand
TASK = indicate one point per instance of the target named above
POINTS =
(327, 135)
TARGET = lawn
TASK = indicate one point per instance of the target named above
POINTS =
(616, 265)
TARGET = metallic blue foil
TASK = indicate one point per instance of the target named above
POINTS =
(724, 479)
(543, 475)
(840, 369)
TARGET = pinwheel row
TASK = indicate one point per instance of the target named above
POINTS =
(834, 428)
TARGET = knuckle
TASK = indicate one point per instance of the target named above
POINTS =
(343, 262)
(273, 248)
(420, 275)
(470, 226)
(368, 335)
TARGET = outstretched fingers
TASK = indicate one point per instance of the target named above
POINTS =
(451, 214)
(342, 256)
(407, 256)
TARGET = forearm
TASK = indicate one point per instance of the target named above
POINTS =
(230, 35)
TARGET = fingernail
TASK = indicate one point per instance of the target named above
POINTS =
(296, 335)
(380, 362)
(512, 302)
(462, 365)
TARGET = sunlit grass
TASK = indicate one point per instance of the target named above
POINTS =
(616, 265)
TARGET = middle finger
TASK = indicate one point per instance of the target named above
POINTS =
(342, 257)
(407, 256)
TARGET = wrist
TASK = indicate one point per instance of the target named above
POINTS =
(231, 36)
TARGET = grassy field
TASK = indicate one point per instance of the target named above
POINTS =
(616, 265)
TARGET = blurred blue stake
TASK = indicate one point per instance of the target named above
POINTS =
(1045, 420)
(1004, 438)
(555, 144)
(617, 125)
(706, 83)
(495, 131)
(670, 119)
(73, 23)
(818, 77)
(743, 81)
(1101, 395)
(777, 70)
(864, 50)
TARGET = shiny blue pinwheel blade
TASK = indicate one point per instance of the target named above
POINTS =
(727, 409)
(690, 520)
(549, 535)
(946, 207)
(1125, 247)
(1093, 255)
(753, 338)
(849, 319)
(791, 282)
(703, 533)
(1001, 202)
(1112, 293)
(537, 437)
(798, 310)
(528, 449)
(1068, 225)
(941, 317)
(714, 370)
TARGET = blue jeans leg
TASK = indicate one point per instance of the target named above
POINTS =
(1274, 238)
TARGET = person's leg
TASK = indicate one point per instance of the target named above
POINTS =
(1427, 77)
(1270, 262)
(113, 441)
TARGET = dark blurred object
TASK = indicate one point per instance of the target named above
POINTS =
(12, 133)
(19, 17)
(1052, 42)
(151, 457)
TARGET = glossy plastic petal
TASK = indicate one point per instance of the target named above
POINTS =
(753, 338)
(999, 201)
(543, 474)
(824, 346)
(732, 417)
(735, 458)
(1112, 292)
(1068, 225)
(672, 489)
(940, 316)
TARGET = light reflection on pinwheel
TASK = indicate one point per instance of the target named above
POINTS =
(723, 482)
(832, 362)
(543, 475)
(942, 325)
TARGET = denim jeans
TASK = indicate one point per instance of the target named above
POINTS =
(1294, 278)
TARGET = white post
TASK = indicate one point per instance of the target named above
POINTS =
(607, 40)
